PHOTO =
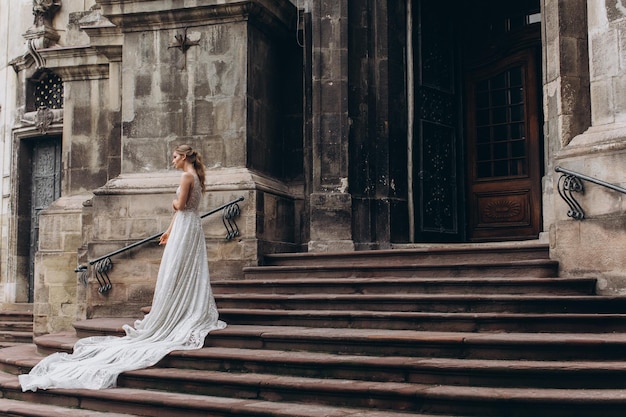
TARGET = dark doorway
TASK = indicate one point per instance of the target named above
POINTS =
(40, 185)
(437, 150)
(476, 149)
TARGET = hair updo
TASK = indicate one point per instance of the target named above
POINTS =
(196, 159)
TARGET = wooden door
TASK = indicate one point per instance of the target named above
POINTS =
(504, 150)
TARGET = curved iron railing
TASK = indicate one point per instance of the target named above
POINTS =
(572, 182)
(103, 264)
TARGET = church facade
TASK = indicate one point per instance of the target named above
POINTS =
(346, 125)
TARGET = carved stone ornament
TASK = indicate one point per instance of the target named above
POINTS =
(44, 11)
(43, 118)
(42, 35)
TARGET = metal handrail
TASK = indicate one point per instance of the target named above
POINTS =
(103, 264)
(572, 182)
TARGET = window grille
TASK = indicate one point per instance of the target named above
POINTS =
(49, 92)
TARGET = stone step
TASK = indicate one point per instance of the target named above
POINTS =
(424, 321)
(429, 331)
(398, 369)
(384, 342)
(16, 326)
(15, 408)
(438, 399)
(384, 285)
(540, 268)
(444, 303)
(516, 346)
(439, 371)
(449, 253)
(57, 342)
(16, 337)
(16, 316)
(394, 396)
(158, 403)
(11, 344)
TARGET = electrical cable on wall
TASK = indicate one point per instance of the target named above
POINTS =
(300, 6)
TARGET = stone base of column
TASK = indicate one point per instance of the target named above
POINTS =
(59, 300)
(134, 206)
(594, 246)
(331, 223)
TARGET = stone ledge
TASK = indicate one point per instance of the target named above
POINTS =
(138, 15)
(217, 179)
(597, 139)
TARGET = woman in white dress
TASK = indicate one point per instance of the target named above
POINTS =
(183, 309)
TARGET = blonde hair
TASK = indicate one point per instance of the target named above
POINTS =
(196, 159)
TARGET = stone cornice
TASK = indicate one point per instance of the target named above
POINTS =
(76, 63)
(140, 15)
(70, 63)
(217, 179)
(107, 40)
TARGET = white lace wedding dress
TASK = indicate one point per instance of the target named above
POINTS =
(183, 313)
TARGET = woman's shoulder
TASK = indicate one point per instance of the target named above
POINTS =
(187, 178)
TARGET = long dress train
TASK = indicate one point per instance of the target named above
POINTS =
(183, 313)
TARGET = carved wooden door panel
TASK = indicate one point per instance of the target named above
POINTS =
(45, 188)
(503, 144)
(437, 196)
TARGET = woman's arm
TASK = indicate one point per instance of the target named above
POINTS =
(166, 234)
(186, 183)
(179, 203)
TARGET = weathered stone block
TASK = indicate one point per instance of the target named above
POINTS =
(604, 55)
(603, 112)
(331, 215)
(141, 293)
(57, 268)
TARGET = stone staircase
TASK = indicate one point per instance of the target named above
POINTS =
(16, 324)
(461, 330)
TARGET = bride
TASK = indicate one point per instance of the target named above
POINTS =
(183, 308)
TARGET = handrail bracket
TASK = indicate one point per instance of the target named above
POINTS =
(572, 182)
(567, 185)
(229, 214)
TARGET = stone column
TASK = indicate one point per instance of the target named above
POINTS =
(566, 100)
(595, 246)
(330, 202)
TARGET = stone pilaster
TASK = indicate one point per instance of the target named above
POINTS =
(566, 105)
(330, 203)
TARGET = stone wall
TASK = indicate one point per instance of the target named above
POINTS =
(15, 17)
(203, 105)
(59, 297)
(595, 245)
